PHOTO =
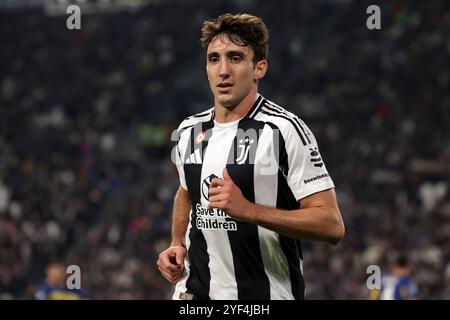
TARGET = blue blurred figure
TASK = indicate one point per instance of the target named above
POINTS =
(55, 287)
(397, 283)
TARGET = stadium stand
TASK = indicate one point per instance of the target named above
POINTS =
(86, 118)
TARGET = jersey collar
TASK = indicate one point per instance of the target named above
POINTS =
(253, 110)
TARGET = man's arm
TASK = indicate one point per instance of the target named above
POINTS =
(180, 216)
(171, 261)
(319, 219)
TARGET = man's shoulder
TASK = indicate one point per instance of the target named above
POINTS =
(196, 118)
(291, 126)
(281, 117)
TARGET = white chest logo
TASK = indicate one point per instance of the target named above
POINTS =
(244, 147)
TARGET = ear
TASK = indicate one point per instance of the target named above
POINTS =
(260, 69)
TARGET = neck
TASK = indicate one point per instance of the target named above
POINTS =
(223, 114)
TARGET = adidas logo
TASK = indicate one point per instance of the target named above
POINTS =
(194, 158)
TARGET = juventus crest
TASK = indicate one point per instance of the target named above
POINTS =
(243, 149)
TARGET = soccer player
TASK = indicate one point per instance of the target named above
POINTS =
(54, 286)
(397, 284)
(252, 181)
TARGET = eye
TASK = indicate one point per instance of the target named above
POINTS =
(213, 59)
(235, 59)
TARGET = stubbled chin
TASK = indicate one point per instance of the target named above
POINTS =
(226, 101)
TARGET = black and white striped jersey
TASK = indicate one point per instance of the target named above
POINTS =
(273, 157)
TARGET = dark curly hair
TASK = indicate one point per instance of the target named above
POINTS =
(243, 29)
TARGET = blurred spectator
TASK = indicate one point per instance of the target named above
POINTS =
(55, 287)
(397, 283)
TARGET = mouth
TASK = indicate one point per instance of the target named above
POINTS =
(224, 87)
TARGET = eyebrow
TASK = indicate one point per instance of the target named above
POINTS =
(228, 54)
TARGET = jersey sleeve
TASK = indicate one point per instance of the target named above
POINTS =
(306, 173)
(178, 156)
(180, 167)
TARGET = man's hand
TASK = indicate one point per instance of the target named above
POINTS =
(171, 263)
(226, 195)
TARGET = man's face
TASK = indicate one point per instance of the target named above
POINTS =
(56, 275)
(231, 71)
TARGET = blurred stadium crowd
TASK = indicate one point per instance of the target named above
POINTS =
(86, 118)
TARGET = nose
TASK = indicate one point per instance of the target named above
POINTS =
(224, 69)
